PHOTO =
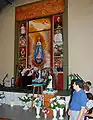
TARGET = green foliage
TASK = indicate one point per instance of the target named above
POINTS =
(2, 95)
(57, 102)
(38, 101)
(25, 98)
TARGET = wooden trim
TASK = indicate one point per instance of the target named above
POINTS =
(39, 9)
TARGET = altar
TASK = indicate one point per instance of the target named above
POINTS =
(13, 97)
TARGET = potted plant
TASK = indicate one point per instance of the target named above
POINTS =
(2, 96)
(57, 103)
(25, 99)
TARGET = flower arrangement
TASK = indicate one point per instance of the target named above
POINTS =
(38, 102)
(45, 111)
(25, 98)
(2, 95)
(57, 102)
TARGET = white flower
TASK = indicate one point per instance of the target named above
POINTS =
(58, 97)
(61, 102)
(52, 99)
(52, 105)
(57, 108)
(26, 97)
(55, 103)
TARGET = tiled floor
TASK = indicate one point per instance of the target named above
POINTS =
(17, 113)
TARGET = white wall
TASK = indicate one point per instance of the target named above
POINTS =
(7, 21)
(7, 37)
(80, 37)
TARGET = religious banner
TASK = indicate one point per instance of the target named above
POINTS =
(39, 49)
(39, 42)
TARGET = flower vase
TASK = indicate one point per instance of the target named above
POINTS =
(61, 113)
(45, 115)
(0, 102)
(12, 103)
(54, 114)
(25, 107)
(37, 112)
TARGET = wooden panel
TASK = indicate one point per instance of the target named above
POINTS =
(60, 81)
(47, 98)
(39, 9)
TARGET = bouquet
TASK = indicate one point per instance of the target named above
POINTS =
(57, 102)
(25, 98)
(38, 102)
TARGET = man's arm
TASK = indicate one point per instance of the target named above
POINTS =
(69, 111)
(81, 113)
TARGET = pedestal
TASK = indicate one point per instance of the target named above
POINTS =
(47, 98)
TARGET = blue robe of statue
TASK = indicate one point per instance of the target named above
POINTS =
(39, 53)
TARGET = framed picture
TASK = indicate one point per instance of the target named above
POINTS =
(58, 37)
(22, 40)
(39, 48)
(22, 52)
(58, 64)
(22, 63)
(58, 50)
(58, 22)
(23, 28)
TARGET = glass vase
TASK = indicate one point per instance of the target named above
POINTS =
(54, 114)
(45, 116)
(37, 112)
(61, 113)
(25, 107)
